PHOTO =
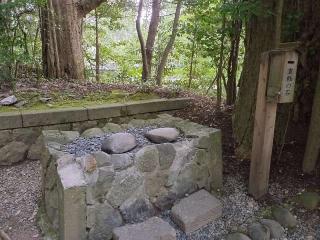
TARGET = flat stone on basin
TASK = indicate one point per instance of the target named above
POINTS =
(196, 211)
(152, 229)
(162, 135)
(119, 143)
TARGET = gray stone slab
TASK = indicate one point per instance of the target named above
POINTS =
(105, 111)
(10, 120)
(54, 116)
(156, 105)
(196, 211)
(72, 213)
(152, 229)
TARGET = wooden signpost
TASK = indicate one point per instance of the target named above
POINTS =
(276, 84)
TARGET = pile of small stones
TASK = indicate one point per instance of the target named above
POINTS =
(129, 140)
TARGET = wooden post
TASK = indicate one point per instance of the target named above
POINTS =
(276, 84)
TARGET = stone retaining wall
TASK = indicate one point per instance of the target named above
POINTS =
(86, 197)
(20, 131)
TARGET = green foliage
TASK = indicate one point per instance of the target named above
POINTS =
(19, 41)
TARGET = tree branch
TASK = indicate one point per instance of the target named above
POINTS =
(86, 6)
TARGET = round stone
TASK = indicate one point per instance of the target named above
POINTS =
(237, 236)
(276, 230)
(258, 231)
(92, 132)
(162, 135)
(119, 143)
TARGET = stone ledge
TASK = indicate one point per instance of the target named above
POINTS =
(105, 111)
(54, 116)
(9, 120)
(33, 118)
(157, 105)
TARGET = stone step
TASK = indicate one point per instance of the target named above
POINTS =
(152, 229)
(196, 211)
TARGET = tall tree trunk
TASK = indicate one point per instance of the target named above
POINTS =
(169, 46)
(260, 37)
(97, 47)
(231, 88)
(145, 69)
(61, 35)
(152, 33)
(193, 51)
(221, 58)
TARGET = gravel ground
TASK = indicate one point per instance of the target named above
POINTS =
(82, 145)
(19, 195)
(239, 210)
(20, 192)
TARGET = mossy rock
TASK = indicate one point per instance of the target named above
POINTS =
(284, 217)
(309, 200)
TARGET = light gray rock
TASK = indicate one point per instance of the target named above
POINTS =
(121, 161)
(102, 219)
(119, 143)
(276, 230)
(71, 175)
(137, 123)
(166, 201)
(154, 183)
(237, 236)
(125, 184)
(196, 211)
(152, 229)
(36, 150)
(13, 152)
(26, 135)
(97, 192)
(147, 158)
(65, 160)
(61, 137)
(112, 128)
(9, 101)
(167, 154)
(20, 104)
(88, 163)
(184, 153)
(82, 126)
(186, 181)
(162, 135)
(92, 132)
(258, 231)
(136, 210)
(102, 158)
(70, 136)
(284, 217)
(5, 137)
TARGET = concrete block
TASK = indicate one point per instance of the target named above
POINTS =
(105, 111)
(10, 120)
(54, 116)
(152, 229)
(156, 105)
(196, 211)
